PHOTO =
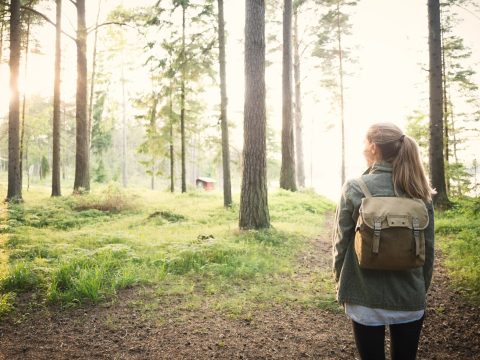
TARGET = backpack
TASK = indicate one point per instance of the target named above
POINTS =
(389, 234)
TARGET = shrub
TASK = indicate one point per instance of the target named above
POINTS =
(112, 200)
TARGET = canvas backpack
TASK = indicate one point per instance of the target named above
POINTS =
(389, 234)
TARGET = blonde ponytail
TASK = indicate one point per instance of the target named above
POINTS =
(403, 153)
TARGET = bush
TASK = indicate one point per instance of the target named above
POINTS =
(20, 277)
(112, 200)
(91, 277)
(459, 228)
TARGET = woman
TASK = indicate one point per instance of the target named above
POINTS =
(376, 298)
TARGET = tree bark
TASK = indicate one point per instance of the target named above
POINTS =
(92, 83)
(24, 100)
(227, 186)
(436, 157)
(153, 131)
(342, 106)
(182, 106)
(446, 151)
(2, 25)
(82, 156)
(254, 212)
(56, 187)
(14, 191)
(298, 104)
(124, 126)
(172, 159)
(287, 171)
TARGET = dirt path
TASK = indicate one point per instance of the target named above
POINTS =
(121, 330)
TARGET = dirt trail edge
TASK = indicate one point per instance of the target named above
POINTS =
(119, 330)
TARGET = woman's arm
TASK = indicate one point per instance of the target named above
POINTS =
(429, 248)
(344, 229)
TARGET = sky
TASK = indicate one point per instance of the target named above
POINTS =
(388, 82)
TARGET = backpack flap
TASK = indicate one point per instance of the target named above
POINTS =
(393, 212)
(383, 226)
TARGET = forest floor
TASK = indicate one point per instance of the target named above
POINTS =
(131, 327)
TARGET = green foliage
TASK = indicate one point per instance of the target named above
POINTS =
(101, 130)
(57, 214)
(91, 277)
(334, 21)
(20, 277)
(100, 172)
(7, 301)
(459, 230)
(113, 200)
(192, 239)
(167, 216)
(417, 128)
(460, 179)
(44, 168)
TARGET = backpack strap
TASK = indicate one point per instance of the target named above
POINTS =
(377, 221)
(364, 187)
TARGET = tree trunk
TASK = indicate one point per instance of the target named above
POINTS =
(254, 195)
(446, 151)
(14, 192)
(436, 159)
(56, 188)
(92, 84)
(2, 25)
(172, 159)
(24, 100)
(124, 127)
(287, 172)
(82, 166)
(27, 164)
(182, 106)
(298, 105)
(340, 74)
(227, 186)
(153, 130)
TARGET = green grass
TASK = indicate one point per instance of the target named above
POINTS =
(83, 249)
(459, 234)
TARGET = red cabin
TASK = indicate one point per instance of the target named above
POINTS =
(206, 183)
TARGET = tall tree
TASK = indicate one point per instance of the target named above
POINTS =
(24, 100)
(436, 159)
(182, 102)
(14, 192)
(82, 157)
(170, 138)
(330, 48)
(460, 97)
(254, 212)
(2, 27)
(56, 187)
(341, 89)
(287, 172)
(300, 169)
(94, 67)
(227, 186)
(124, 124)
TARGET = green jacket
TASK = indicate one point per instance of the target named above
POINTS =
(393, 290)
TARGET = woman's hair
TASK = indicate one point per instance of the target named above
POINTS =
(402, 152)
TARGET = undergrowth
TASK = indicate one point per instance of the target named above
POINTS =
(459, 232)
(84, 248)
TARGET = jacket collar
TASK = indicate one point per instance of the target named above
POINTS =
(379, 167)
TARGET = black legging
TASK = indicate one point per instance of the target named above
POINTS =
(404, 339)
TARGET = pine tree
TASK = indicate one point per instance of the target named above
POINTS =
(287, 172)
(254, 212)
(14, 192)
(436, 158)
